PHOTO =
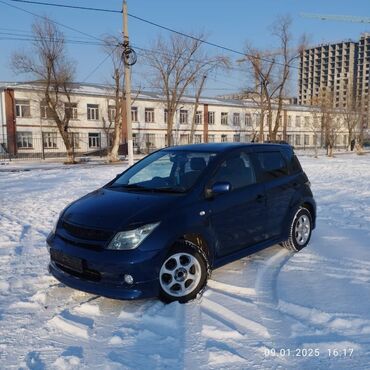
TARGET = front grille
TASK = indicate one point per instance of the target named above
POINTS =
(86, 233)
(86, 274)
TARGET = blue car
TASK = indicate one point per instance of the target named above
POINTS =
(160, 227)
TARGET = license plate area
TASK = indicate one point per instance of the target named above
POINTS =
(67, 261)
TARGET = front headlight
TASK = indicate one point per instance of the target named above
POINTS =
(131, 239)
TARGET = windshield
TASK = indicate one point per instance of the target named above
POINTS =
(167, 171)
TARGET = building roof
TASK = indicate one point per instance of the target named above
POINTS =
(104, 90)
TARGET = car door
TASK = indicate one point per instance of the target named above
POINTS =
(238, 216)
(272, 172)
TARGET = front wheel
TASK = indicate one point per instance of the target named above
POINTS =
(183, 274)
(300, 231)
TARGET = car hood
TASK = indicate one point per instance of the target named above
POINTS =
(116, 209)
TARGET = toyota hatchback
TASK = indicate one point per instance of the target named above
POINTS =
(160, 227)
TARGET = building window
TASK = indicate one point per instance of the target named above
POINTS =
(184, 139)
(149, 115)
(70, 110)
(247, 138)
(257, 118)
(45, 111)
(224, 118)
(111, 113)
(236, 138)
(290, 139)
(183, 117)
(93, 112)
(236, 119)
(289, 121)
(306, 139)
(211, 118)
(22, 108)
(49, 140)
(74, 139)
(149, 140)
(24, 139)
(306, 121)
(248, 119)
(211, 138)
(94, 140)
(298, 121)
(223, 138)
(198, 118)
(197, 139)
(134, 117)
(298, 140)
(165, 115)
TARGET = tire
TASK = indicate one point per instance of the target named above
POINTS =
(300, 231)
(183, 273)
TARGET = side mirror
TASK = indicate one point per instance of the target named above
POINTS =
(218, 188)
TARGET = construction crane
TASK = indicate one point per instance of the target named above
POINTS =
(341, 18)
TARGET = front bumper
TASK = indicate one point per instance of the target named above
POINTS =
(121, 291)
(104, 270)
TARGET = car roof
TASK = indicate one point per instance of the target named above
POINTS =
(224, 147)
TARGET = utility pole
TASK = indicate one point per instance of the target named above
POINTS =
(127, 76)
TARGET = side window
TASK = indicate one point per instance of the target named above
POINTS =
(272, 165)
(237, 170)
(293, 163)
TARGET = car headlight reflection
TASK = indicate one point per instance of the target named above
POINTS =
(131, 239)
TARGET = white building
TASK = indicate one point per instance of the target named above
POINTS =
(27, 131)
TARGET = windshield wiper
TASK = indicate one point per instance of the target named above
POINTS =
(143, 188)
(129, 186)
(170, 190)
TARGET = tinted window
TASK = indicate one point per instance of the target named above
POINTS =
(237, 170)
(172, 170)
(293, 163)
(272, 165)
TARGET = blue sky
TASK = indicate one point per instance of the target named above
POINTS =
(230, 23)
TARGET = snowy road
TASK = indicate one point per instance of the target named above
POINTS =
(271, 310)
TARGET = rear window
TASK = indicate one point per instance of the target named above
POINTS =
(272, 165)
(293, 163)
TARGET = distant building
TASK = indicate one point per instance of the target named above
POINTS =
(26, 129)
(343, 69)
(332, 67)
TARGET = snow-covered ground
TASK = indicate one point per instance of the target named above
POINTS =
(271, 310)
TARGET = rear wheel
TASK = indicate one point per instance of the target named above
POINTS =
(183, 274)
(300, 231)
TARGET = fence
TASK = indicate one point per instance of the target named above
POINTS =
(51, 145)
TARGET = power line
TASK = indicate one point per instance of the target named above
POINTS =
(67, 6)
(102, 42)
(100, 64)
(156, 25)
(55, 22)
(209, 43)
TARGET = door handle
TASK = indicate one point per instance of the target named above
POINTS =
(260, 198)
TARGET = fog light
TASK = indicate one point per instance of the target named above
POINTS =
(128, 279)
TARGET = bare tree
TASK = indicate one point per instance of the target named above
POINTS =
(352, 114)
(262, 69)
(271, 71)
(114, 122)
(331, 120)
(48, 63)
(196, 105)
(315, 126)
(177, 63)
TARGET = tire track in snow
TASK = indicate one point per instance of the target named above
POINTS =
(238, 322)
(267, 297)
